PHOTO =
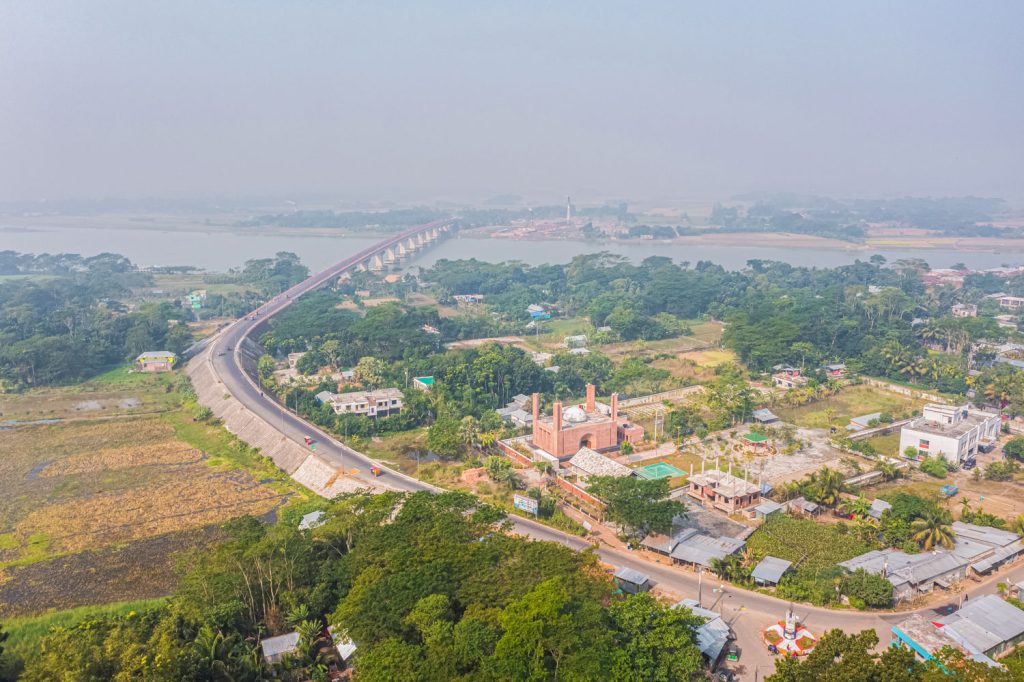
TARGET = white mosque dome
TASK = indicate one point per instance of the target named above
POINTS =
(575, 415)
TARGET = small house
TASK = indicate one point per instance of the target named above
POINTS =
(156, 361)
(312, 520)
(836, 371)
(803, 507)
(699, 549)
(765, 509)
(631, 581)
(276, 649)
(765, 416)
(578, 341)
(423, 383)
(712, 635)
(770, 570)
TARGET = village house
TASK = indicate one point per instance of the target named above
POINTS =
(578, 341)
(276, 649)
(835, 371)
(770, 570)
(764, 416)
(954, 432)
(982, 629)
(723, 491)
(376, 403)
(515, 411)
(156, 361)
(632, 582)
(712, 635)
(699, 549)
(587, 425)
(964, 310)
(787, 377)
(1011, 302)
(468, 299)
(977, 549)
(423, 383)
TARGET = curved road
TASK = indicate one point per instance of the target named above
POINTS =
(748, 612)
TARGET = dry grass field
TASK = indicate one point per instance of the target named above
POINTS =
(98, 503)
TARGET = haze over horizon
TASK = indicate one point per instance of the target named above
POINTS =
(417, 102)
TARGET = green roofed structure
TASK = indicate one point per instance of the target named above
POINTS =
(653, 472)
(758, 440)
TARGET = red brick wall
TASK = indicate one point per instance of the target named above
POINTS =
(514, 454)
(577, 491)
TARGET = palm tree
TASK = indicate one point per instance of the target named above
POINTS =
(469, 429)
(888, 470)
(934, 529)
(860, 507)
(309, 634)
(1017, 525)
(826, 486)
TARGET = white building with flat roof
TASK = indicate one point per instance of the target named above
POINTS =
(378, 403)
(953, 431)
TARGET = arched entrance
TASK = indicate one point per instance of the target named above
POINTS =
(587, 441)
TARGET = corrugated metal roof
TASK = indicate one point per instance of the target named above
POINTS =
(156, 355)
(712, 635)
(767, 507)
(702, 549)
(986, 622)
(770, 569)
(282, 644)
(631, 576)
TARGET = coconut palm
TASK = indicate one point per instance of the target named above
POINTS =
(934, 529)
(1017, 525)
(826, 486)
(888, 470)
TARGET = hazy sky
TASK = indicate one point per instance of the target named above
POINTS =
(468, 99)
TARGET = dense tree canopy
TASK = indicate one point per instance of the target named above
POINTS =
(425, 585)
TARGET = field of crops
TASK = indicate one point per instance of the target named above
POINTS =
(92, 508)
(806, 543)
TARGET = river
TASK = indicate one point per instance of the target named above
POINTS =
(220, 250)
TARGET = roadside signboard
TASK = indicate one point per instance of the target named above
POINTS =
(526, 504)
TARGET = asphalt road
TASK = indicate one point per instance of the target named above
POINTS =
(747, 612)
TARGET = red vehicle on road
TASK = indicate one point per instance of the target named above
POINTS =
(309, 441)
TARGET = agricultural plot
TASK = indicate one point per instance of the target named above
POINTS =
(806, 543)
(848, 403)
(94, 509)
(114, 394)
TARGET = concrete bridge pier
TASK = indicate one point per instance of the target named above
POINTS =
(389, 256)
(377, 264)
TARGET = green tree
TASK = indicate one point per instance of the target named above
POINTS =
(1014, 448)
(826, 486)
(840, 656)
(871, 589)
(469, 430)
(656, 643)
(934, 529)
(265, 367)
(443, 438)
(640, 506)
(370, 371)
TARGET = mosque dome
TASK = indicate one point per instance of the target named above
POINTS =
(575, 415)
